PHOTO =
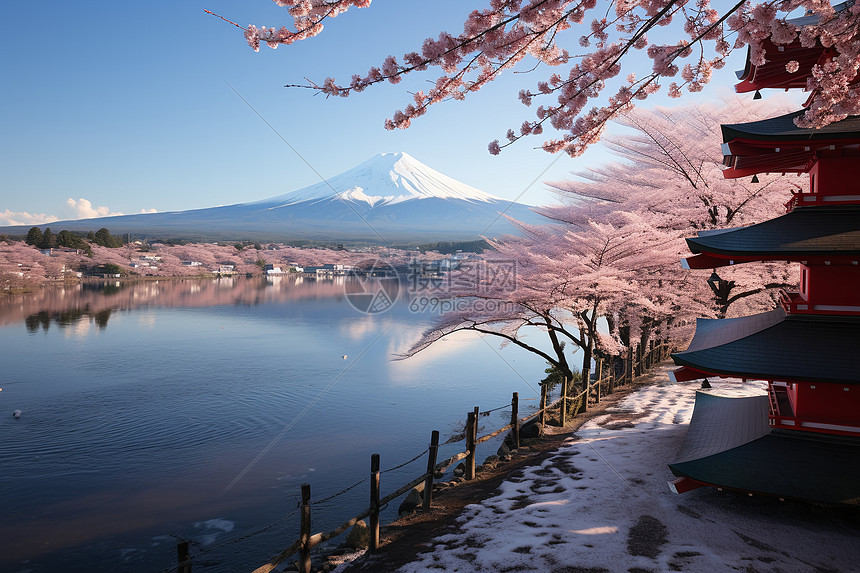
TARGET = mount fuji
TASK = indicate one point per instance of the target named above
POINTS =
(391, 197)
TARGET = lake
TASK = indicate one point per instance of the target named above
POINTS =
(194, 409)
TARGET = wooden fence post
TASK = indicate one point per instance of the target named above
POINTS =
(305, 530)
(515, 421)
(543, 405)
(431, 468)
(562, 412)
(471, 434)
(183, 557)
(374, 502)
(599, 378)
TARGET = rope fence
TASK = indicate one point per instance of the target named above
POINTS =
(607, 377)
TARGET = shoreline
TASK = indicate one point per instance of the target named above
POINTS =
(596, 500)
(403, 539)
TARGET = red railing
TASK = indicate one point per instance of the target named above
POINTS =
(793, 303)
(815, 199)
(788, 420)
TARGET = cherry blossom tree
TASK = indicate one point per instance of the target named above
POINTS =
(18, 269)
(669, 165)
(15, 255)
(565, 280)
(670, 171)
(592, 44)
(613, 250)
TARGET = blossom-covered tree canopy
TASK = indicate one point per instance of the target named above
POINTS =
(613, 251)
(591, 45)
(670, 165)
(564, 280)
(670, 172)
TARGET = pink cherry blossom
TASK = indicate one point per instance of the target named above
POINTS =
(699, 37)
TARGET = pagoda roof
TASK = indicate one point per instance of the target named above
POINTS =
(777, 145)
(721, 423)
(727, 446)
(776, 346)
(829, 232)
(781, 129)
(773, 73)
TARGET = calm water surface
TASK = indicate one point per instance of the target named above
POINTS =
(195, 409)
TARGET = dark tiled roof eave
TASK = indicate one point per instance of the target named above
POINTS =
(784, 463)
(813, 348)
(773, 73)
(782, 129)
(813, 231)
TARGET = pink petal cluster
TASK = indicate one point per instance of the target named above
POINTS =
(835, 93)
(590, 92)
(611, 253)
(307, 15)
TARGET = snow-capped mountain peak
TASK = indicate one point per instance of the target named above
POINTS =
(390, 197)
(385, 179)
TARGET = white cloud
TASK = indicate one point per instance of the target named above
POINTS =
(8, 217)
(80, 209)
(84, 209)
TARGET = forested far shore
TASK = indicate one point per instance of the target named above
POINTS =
(26, 264)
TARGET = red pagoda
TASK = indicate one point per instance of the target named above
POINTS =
(802, 440)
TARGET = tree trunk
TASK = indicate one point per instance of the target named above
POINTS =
(586, 362)
(558, 347)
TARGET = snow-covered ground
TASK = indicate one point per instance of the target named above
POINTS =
(601, 503)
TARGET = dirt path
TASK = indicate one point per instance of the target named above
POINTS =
(402, 540)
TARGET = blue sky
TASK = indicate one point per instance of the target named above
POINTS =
(129, 107)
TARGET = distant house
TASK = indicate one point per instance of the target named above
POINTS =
(326, 271)
(192, 263)
(331, 270)
(138, 264)
(225, 270)
(273, 270)
(55, 252)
